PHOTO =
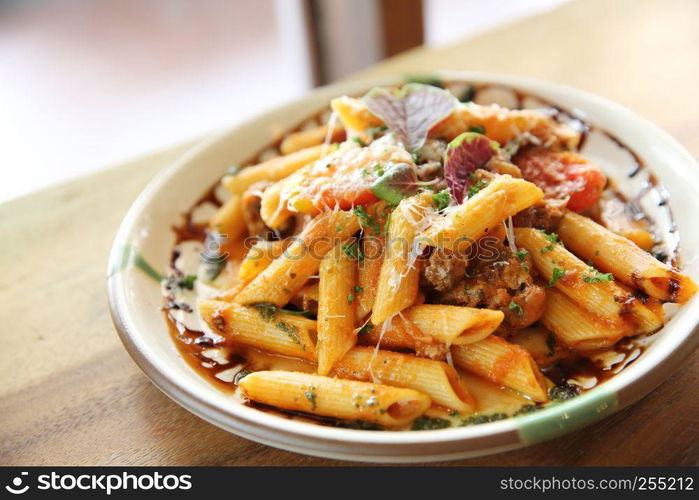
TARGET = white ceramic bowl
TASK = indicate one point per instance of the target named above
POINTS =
(145, 236)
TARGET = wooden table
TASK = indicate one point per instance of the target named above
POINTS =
(69, 394)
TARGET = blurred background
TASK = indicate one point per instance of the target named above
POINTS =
(89, 83)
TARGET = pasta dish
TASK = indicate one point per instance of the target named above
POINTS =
(417, 260)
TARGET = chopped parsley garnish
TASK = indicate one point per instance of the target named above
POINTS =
(359, 141)
(521, 255)
(563, 392)
(350, 298)
(361, 424)
(441, 200)
(267, 310)
(527, 409)
(472, 190)
(477, 129)
(483, 419)
(311, 396)
(352, 251)
(364, 172)
(553, 239)
(379, 170)
(597, 277)
(429, 423)
(187, 281)
(291, 331)
(365, 329)
(556, 274)
(358, 289)
(514, 306)
(366, 220)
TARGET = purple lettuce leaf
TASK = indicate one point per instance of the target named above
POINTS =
(466, 154)
(410, 112)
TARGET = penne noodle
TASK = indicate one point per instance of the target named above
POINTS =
(403, 334)
(503, 363)
(342, 399)
(368, 275)
(573, 277)
(628, 263)
(493, 398)
(353, 113)
(485, 211)
(228, 219)
(577, 328)
(287, 275)
(435, 378)
(262, 327)
(307, 298)
(502, 124)
(454, 325)
(373, 246)
(399, 277)
(335, 308)
(312, 137)
(258, 258)
(273, 211)
(272, 170)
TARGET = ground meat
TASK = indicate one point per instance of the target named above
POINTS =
(505, 283)
(545, 215)
(443, 270)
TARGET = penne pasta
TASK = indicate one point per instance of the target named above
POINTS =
(262, 327)
(258, 258)
(503, 363)
(341, 399)
(493, 398)
(401, 334)
(373, 246)
(577, 328)
(435, 378)
(228, 219)
(336, 308)
(485, 211)
(287, 275)
(353, 114)
(398, 280)
(273, 211)
(272, 170)
(308, 138)
(368, 276)
(598, 295)
(628, 263)
(409, 288)
(454, 325)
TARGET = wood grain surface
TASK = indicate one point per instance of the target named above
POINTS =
(69, 394)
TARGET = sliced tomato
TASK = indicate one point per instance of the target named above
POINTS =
(562, 174)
